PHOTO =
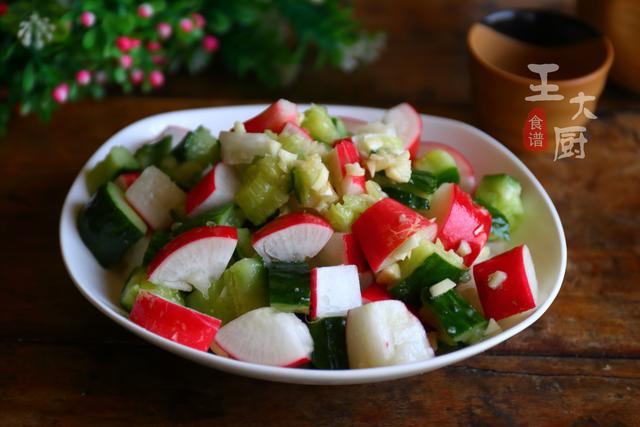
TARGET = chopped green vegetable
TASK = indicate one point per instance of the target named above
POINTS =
(319, 124)
(440, 164)
(264, 189)
(119, 160)
(290, 286)
(153, 153)
(458, 321)
(137, 281)
(108, 226)
(329, 343)
(414, 193)
(502, 193)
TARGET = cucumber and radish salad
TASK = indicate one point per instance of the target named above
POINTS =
(300, 239)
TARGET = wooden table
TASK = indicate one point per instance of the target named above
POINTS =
(63, 363)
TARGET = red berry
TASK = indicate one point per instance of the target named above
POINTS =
(186, 25)
(124, 44)
(210, 43)
(156, 78)
(145, 10)
(87, 19)
(153, 46)
(60, 93)
(83, 77)
(137, 76)
(198, 20)
(164, 30)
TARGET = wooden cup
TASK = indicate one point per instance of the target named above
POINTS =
(502, 46)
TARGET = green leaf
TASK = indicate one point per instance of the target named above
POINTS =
(89, 39)
(120, 75)
(28, 78)
(219, 23)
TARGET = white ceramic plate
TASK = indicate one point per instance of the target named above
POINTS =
(541, 231)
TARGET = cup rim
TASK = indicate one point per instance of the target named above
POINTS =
(602, 68)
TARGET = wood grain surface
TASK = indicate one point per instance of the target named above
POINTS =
(62, 363)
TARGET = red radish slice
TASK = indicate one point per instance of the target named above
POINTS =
(153, 195)
(375, 292)
(462, 225)
(266, 336)
(507, 283)
(293, 129)
(292, 237)
(408, 124)
(344, 153)
(124, 180)
(174, 322)
(468, 180)
(342, 249)
(274, 118)
(385, 333)
(218, 187)
(334, 290)
(194, 259)
(388, 230)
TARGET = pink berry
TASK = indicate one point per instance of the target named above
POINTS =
(198, 20)
(210, 43)
(123, 43)
(164, 30)
(156, 78)
(126, 61)
(83, 77)
(134, 43)
(137, 76)
(87, 19)
(145, 10)
(186, 25)
(61, 93)
(153, 46)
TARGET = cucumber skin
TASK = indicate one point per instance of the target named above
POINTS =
(118, 160)
(458, 321)
(413, 193)
(137, 281)
(441, 165)
(158, 239)
(198, 145)
(500, 227)
(290, 286)
(153, 153)
(105, 229)
(432, 270)
(329, 343)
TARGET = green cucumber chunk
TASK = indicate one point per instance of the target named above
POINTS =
(290, 286)
(244, 249)
(137, 281)
(153, 153)
(502, 193)
(227, 214)
(198, 145)
(311, 184)
(342, 215)
(159, 238)
(427, 265)
(329, 343)
(108, 226)
(340, 127)
(441, 165)
(319, 124)
(240, 289)
(414, 193)
(458, 321)
(119, 160)
(264, 189)
(500, 227)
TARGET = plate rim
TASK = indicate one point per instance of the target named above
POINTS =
(311, 376)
